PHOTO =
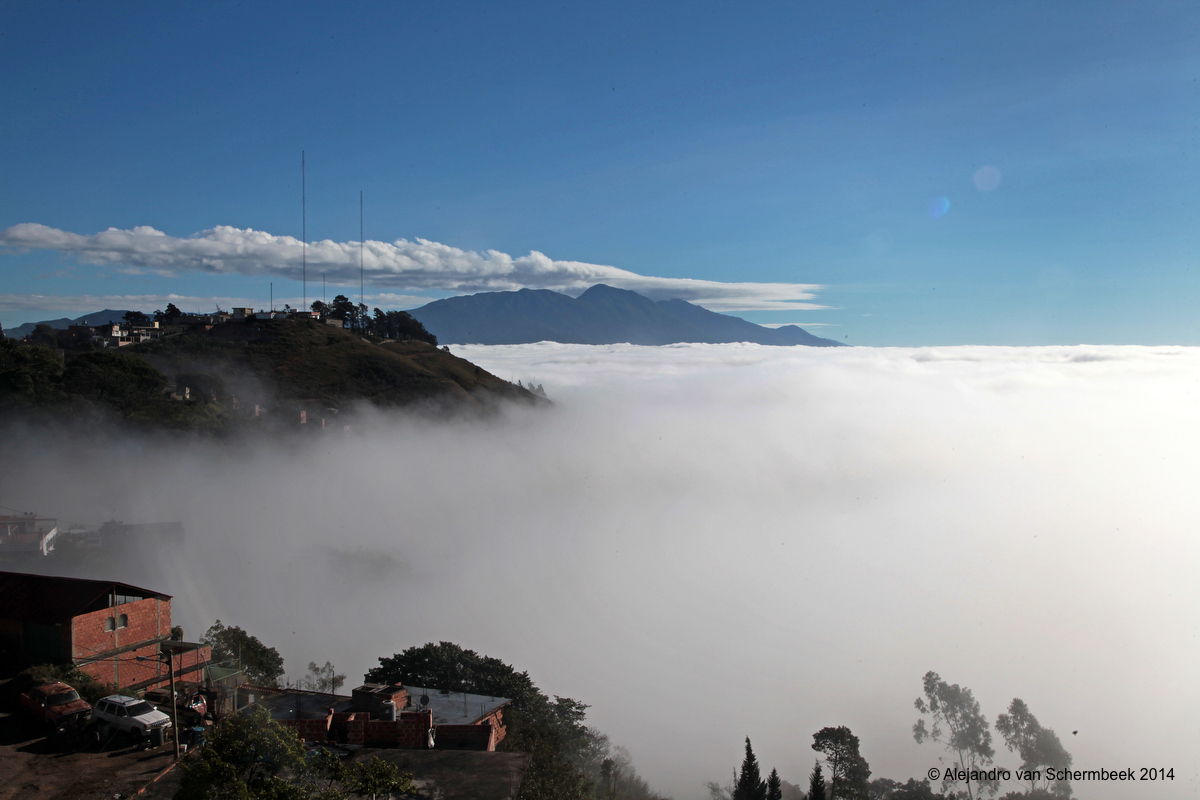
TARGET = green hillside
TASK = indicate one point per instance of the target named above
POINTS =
(305, 361)
(281, 366)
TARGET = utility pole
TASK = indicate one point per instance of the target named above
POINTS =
(174, 708)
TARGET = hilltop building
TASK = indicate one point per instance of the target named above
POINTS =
(27, 534)
(387, 716)
(112, 631)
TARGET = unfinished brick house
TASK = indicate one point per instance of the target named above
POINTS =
(102, 627)
(388, 716)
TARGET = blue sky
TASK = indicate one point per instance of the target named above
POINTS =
(887, 174)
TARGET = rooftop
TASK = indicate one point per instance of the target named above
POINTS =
(283, 704)
(454, 708)
(50, 599)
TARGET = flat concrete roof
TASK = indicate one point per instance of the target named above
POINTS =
(454, 708)
(298, 704)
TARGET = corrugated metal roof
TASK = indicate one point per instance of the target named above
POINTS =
(48, 599)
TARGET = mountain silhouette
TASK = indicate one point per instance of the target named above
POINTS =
(601, 315)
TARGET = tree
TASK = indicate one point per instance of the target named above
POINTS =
(375, 777)
(263, 665)
(552, 730)
(319, 307)
(242, 759)
(401, 325)
(1039, 748)
(816, 782)
(957, 724)
(323, 679)
(774, 786)
(848, 770)
(249, 756)
(135, 318)
(342, 308)
(718, 792)
(750, 785)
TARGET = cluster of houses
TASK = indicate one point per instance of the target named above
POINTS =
(28, 535)
(119, 334)
(120, 635)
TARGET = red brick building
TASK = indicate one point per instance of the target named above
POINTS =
(387, 716)
(112, 631)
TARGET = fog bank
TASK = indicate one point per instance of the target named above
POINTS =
(706, 542)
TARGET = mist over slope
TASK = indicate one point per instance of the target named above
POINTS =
(712, 541)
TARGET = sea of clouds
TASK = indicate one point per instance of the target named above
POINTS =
(707, 542)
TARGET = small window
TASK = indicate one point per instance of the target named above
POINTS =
(110, 624)
(120, 711)
(123, 621)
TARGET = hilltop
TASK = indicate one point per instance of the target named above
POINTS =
(302, 360)
(601, 315)
(263, 372)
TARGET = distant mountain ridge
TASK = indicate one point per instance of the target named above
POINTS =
(94, 318)
(601, 315)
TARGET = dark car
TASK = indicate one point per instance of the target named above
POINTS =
(57, 705)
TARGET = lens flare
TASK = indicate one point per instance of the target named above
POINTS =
(986, 178)
(938, 207)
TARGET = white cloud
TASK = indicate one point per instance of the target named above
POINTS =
(33, 305)
(407, 265)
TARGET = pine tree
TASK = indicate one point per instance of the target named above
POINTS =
(750, 785)
(816, 783)
(774, 786)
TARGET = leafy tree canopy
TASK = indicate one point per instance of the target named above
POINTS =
(1039, 748)
(958, 724)
(552, 730)
(848, 770)
(249, 756)
(323, 679)
(263, 665)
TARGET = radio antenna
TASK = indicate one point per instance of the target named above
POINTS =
(304, 232)
(362, 301)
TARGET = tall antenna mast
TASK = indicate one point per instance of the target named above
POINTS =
(361, 281)
(304, 232)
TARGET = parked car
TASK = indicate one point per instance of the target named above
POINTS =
(191, 707)
(57, 706)
(130, 715)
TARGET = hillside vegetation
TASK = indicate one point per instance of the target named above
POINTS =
(282, 366)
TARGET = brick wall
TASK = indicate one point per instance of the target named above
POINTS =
(148, 621)
(466, 737)
(123, 669)
(499, 731)
(409, 732)
(310, 730)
